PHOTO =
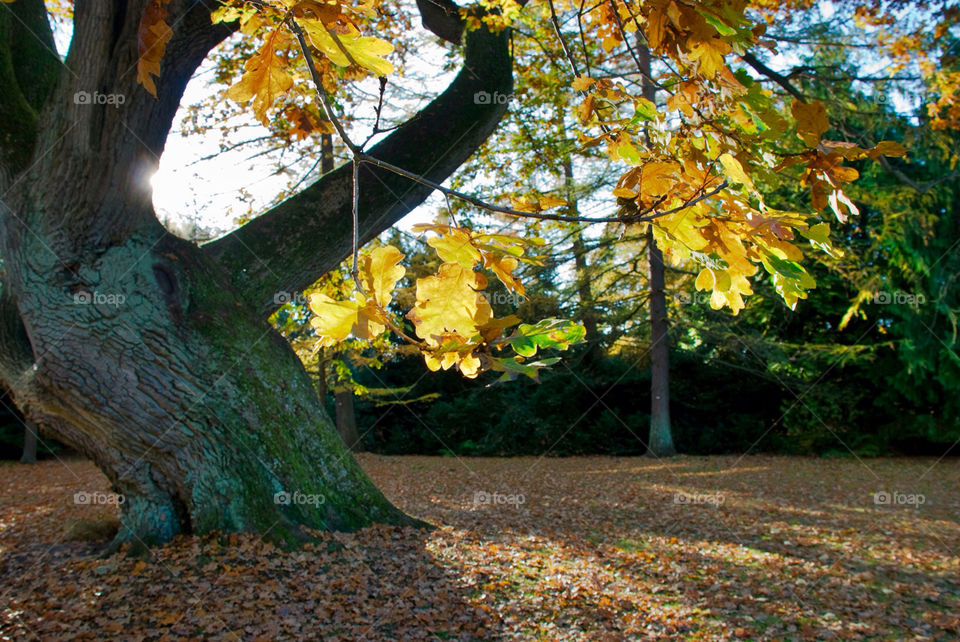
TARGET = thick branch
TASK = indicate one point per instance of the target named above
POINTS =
(34, 52)
(29, 67)
(776, 77)
(102, 134)
(442, 17)
(292, 245)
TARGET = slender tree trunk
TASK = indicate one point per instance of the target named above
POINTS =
(347, 420)
(29, 443)
(322, 361)
(343, 399)
(588, 313)
(661, 438)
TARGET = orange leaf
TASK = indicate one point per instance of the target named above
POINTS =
(265, 77)
(152, 38)
(812, 121)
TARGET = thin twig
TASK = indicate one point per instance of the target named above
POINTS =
(776, 77)
(640, 217)
(377, 110)
(318, 84)
(356, 224)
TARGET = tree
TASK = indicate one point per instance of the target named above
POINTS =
(151, 355)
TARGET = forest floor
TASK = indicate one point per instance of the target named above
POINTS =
(592, 548)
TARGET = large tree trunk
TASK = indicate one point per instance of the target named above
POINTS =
(194, 407)
(153, 356)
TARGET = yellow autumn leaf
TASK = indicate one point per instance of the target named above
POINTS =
(547, 202)
(656, 28)
(582, 83)
(455, 245)
(449, 302)
(494, 328)
(381, 272)
(343, 49)
(370, 322)
(333, 320)
(734, 171)
(433, 363)
(326, 12)
(890, 148)
(153, 35)
(657, 178)
(448, 359)
(503, 267)
(265, 78)
(470, 366)
(586, 109)
(843, 174)
(710, 279)
(623, 192)
(709, 53)
(812, 121)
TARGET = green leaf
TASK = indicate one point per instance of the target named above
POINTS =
(512, 367)
(785, 268)
(722, 28)
(819, 232)
(548, 333)
(644, 110)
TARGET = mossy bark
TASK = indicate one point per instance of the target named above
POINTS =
(196, 409)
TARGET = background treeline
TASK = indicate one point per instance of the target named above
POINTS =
(866, 365)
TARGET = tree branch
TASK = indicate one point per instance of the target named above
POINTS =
(29, 67)
(290, 246)
(922, 188)
(442, 17)
(778, 78)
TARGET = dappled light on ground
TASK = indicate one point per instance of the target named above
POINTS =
(526, 548)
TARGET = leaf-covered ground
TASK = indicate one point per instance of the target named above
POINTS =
(584, 548)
